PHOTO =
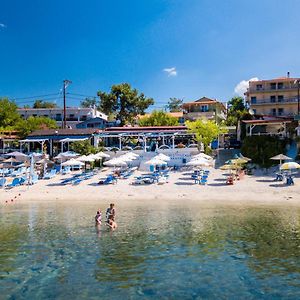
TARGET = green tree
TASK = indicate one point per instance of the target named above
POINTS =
(43, 104)
(84, 147)
(8, 113)
(261, 148)
(236, 111)
(31, 124)
(88, 102)
(158, 118)
(124, 102)
(175, 104)
(205, 131)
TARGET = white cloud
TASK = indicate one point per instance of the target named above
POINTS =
(171, 71)
(242, 86)
(2, 25)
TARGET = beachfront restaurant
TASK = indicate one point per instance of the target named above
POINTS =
(148, 139)
(54, 141)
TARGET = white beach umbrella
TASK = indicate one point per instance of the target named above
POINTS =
(85, 158)
(115, 162)
(16, 154)
(72, 162)
(202, 155)
(199, 162)
(67, 154)
(102, 155)
(163, 157)
(280, 157)
(156, 162)
(289, 166)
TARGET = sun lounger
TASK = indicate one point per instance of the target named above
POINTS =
(108, 180)
(15, 182)
(76, 181)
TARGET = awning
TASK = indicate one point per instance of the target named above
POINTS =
(73, 140)
(33, 140)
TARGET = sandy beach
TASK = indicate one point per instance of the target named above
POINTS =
(257, 189)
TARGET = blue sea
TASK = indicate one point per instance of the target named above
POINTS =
(174, 251)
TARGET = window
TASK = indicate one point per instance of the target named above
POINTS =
(280, 85)
(259, 87)
(273, 111)
(58, 117)
(204, 108)
(280, 98)
(253, 100)
(83, 118)
(273, 99)
(273, 86)
(46, 116)
(280, 111)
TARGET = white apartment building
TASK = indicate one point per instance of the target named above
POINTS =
(74, 115)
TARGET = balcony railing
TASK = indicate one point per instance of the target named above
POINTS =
(269, 89)
(272, 102)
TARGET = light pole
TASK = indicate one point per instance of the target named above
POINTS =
(66, 82)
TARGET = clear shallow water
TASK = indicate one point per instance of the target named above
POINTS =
(175, 252)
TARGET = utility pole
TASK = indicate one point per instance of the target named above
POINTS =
(66, 82)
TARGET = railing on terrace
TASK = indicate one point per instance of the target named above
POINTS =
(269, 89)
(269, 101)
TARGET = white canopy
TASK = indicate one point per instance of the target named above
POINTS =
(199, 162)
(102, 155)
(16, 154)
(72, 162)
(33, 141)
(66, 154)
(156, 162)
(202, 155)
(289, 166)
(73, 140)
(85, 158)
(115, 162)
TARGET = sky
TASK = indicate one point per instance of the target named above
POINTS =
(164, 48)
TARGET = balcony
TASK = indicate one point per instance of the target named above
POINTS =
(269, 89)
(199, 115)
(272, 102)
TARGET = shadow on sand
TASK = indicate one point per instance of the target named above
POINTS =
(184, 183)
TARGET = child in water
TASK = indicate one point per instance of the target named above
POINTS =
(98, 217)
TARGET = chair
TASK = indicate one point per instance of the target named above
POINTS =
(2, 182)
(50, 175)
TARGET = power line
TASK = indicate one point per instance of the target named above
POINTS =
(31, 97)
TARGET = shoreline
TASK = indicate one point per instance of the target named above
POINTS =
(249, 191)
